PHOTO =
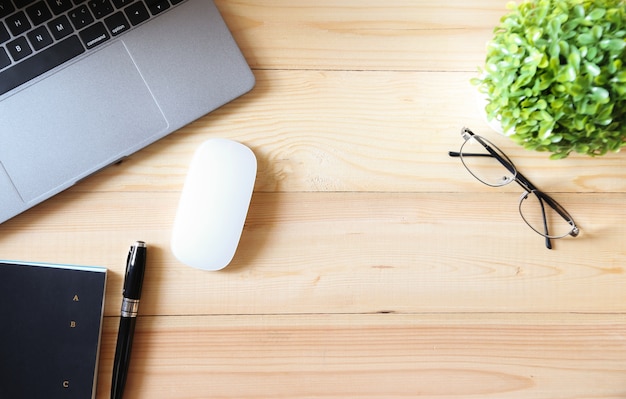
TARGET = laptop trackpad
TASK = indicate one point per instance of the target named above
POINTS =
(62, 141)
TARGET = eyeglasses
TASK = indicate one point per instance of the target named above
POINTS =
(487, 163)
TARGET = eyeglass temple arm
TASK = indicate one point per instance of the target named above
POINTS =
(458, 154)
(545, 224)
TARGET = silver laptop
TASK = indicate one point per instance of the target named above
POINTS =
(85, 83)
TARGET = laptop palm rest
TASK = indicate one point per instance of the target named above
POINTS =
(116, 97)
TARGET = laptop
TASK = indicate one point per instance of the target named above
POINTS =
(86, 83)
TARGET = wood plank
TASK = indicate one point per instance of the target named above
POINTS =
(347, 253)
(374, 356)
(354, 131)
(422, 35)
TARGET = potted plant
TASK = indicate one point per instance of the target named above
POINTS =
(554, 76)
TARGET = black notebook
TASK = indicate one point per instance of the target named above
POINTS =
(50, 328)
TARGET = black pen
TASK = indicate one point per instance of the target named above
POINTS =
(133, 280)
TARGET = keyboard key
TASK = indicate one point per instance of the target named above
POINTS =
(4, 33)
(6, 8)
(5, 61)
(41, 62)
(137, 13)
(174, 2)
(117, 23)
(18, 23)
(101, 8)
(39, 13)
(94, 35)
(22, 3)
(19, 48)
(39, 38)
(60, 27)
(121, 3)
(60, 6)
(157, 6)
(80, 17)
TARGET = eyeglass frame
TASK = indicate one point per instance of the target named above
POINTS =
(529, 188)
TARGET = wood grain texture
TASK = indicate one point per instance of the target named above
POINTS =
(372, 265)
(376, 356)
(349, 253)
(354, 131)
(363, 35)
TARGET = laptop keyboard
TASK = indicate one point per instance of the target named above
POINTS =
(39, 35)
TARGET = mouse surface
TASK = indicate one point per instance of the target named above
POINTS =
(214, 204)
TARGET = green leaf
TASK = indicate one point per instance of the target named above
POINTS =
(564, 46)
(574, 58)
(557, 104)
(592, 53)
(475, 81)
(596, 14)
(605, 114)
(586, 39)
(566, 74)
(601, 79)
(582, 148)
(613, 44)
(559, 155)
(600, 94)
(597, 31)
(542, 104)
(546, 116)
(579, 11)
(613, 16)
(620, 77)
(592, 69)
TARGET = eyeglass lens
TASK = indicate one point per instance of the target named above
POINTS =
(486, 164)
(543, 218)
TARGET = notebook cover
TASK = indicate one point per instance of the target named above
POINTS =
(50, 328)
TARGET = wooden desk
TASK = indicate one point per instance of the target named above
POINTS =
(372, 265)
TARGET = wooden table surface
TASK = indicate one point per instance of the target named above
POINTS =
(372, 265)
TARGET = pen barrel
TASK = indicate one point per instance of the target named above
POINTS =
(122, 356)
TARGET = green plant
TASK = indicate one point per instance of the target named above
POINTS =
(554, 75)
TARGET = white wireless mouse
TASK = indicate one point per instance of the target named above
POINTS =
(214, 204)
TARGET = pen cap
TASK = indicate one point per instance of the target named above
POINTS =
(135, 270)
